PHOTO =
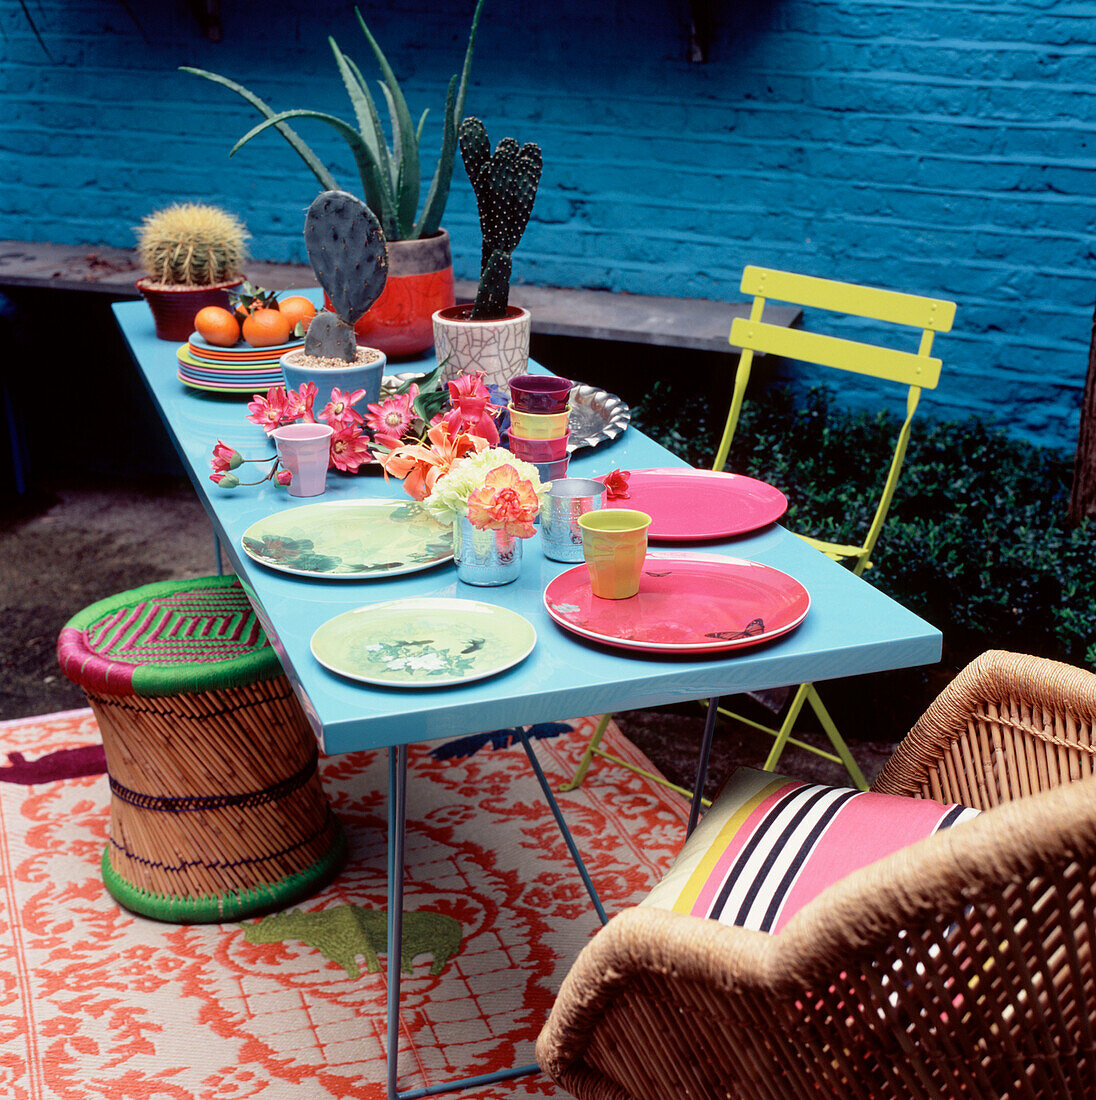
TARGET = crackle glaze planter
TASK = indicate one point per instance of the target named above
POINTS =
(498, 348)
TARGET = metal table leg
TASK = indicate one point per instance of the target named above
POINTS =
(554, 806)
(702, 765)
(397, 818)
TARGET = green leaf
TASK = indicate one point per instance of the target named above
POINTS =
(438, 195)
(424, 381)
(430, 219)
(365, 110)
(428, 405)
(404, 146)
(375, 182)
(327, 181)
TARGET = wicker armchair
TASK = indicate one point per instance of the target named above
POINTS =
(961, 966)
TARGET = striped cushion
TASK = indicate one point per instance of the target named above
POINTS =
(769, 845)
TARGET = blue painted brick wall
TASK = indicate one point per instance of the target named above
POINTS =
(924, 145)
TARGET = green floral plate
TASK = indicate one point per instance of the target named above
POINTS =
(350, 540)
(423, 642)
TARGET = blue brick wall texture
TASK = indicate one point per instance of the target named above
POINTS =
(923, 145)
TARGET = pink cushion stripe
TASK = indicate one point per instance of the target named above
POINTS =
(770, 845)
(862, 832)
(716, 874)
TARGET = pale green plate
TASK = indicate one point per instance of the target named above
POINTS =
(350, 540)
(423, 642)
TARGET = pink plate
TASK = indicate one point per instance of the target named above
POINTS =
(690, 505)
(687, 603)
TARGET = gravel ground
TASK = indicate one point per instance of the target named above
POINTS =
(70, 544)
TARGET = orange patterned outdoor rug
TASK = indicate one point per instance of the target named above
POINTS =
(98, 1004)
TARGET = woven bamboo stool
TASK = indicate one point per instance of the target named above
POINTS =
(217, 810)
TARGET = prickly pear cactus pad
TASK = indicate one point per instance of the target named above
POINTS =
(329, 337)
(348, 252)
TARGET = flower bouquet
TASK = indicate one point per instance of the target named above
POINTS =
(489, 498)
(408, 418)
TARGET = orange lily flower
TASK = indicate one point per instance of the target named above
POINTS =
(421, 465)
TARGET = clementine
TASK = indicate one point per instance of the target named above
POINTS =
(300, 311)
(264, 328)
(217, 326)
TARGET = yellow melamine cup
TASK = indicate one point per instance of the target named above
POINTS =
(614, 545)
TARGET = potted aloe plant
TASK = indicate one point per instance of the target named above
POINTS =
(193, 255)
(420, 277)
(491, 335)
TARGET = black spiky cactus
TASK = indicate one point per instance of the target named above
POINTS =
(349, 254)
(505, 183)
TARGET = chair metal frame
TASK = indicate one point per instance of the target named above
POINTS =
(917, 370)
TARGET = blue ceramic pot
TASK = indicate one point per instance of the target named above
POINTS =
(298, 368)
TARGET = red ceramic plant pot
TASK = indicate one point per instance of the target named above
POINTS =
(420, 282)
(175, 307)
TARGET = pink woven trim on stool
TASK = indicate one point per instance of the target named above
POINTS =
(90, 670)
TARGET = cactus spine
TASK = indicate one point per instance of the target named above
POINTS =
(505, 183)
(349, 254)
(191, 244)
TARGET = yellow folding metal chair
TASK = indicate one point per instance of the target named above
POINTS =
(917, 370)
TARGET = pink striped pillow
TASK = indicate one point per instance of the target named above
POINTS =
(769, 845)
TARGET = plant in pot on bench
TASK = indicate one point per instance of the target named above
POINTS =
(420, 277)
(491, 335)
(193, 254)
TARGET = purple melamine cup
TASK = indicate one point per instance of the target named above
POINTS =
(540, 393)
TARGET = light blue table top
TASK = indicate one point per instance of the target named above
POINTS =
(851, 628)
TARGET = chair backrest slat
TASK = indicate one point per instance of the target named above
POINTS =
(892, 306)
(909, 368)
(917, 370)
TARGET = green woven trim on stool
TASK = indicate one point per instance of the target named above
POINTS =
(213, 909)
(168, 638)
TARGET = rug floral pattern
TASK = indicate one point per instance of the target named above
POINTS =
(96, 1002)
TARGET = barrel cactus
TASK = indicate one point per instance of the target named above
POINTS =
(192, 244)
(349, 254)
(505, 183)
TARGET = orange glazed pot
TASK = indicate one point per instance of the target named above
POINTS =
(420, 282)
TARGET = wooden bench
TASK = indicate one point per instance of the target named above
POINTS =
(695, 324)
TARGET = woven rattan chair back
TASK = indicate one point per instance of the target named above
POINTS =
(962, 966)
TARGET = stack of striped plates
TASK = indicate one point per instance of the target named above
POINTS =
(239, 369)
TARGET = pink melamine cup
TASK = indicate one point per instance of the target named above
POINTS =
(305, 451)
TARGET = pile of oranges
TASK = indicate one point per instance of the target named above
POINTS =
(263, 321)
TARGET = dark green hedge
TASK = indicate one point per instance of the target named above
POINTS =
(976, 541)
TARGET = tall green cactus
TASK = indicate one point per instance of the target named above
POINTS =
(505, 183)
(349, 254)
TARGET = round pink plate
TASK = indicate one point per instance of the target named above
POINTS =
(687, 603)
(689, 505)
